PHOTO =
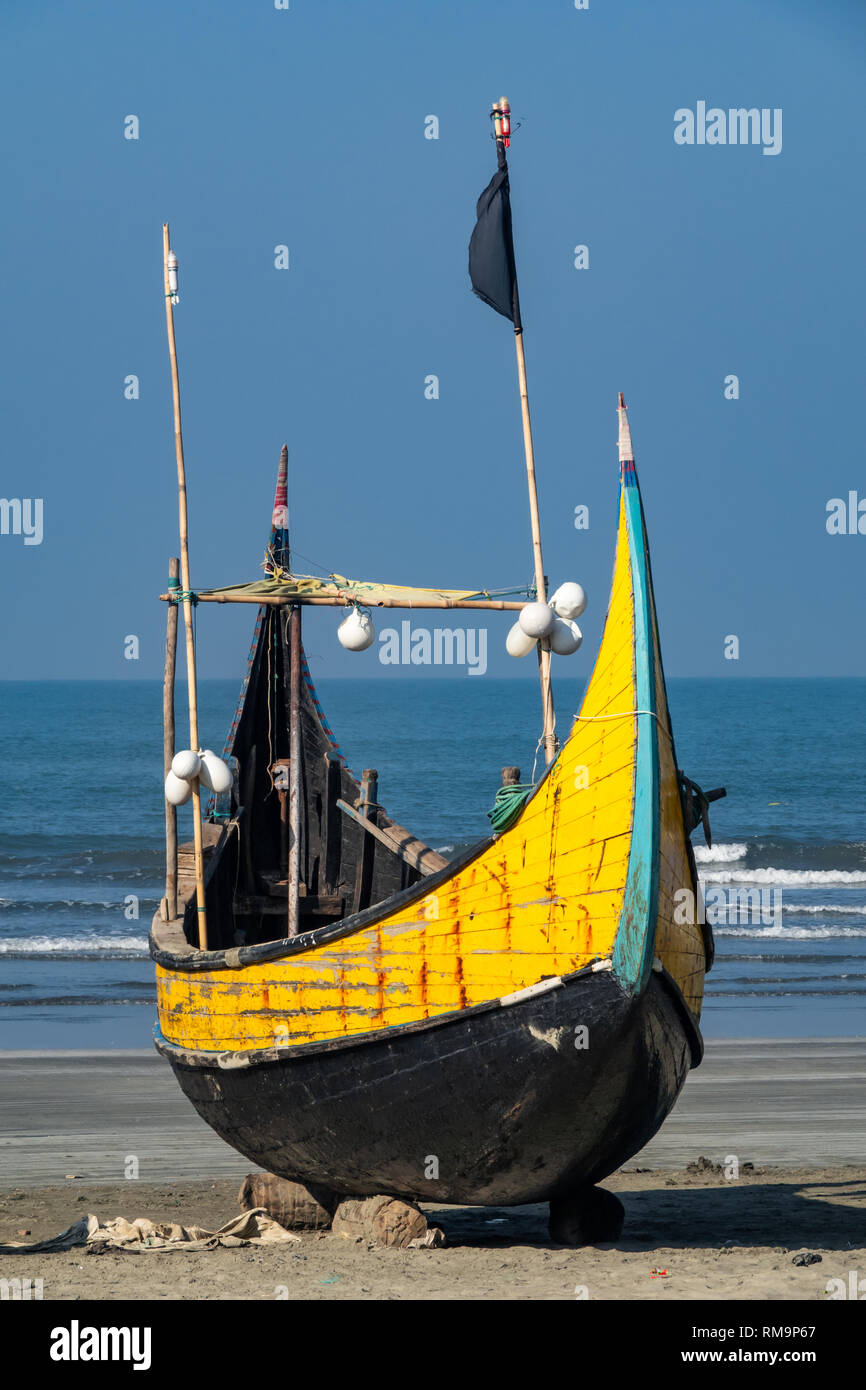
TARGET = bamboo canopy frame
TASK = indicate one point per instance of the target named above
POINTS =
(187, 594)
(284, 600)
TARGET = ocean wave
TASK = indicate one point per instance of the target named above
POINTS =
(784, 878)
(814, 909)
(782, 933)
(720, 854)
(25, 947)
(78, 1001)
(57, 904)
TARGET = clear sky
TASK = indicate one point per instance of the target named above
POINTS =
(305, 127)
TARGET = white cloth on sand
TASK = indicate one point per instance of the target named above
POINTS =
(249, 1228)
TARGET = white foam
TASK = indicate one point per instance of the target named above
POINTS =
(720, 854)
(70, 945)
(813, 909)
(785, 878)
(780, 933)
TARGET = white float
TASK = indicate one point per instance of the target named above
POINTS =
(517, 643)
(356, 632)
(177, 790)
(565, 638)
(569, 600)
(215, 774)
(537, 620)
(186, 764)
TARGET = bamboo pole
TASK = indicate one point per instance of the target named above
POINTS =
(294, 768)
(543, 646)
(501, 109)
(170, 899)
(187, 601)
(284, 600)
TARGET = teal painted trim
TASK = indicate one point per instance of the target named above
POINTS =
(634, 947)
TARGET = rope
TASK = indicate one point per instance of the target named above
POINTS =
(179, 595)
(625, 714)
(511, 800)
(509, 803)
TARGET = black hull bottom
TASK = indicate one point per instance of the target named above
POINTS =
(495, 1107)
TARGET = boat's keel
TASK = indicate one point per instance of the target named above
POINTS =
(587, 1216)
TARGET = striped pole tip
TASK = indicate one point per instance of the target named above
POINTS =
(281, 496)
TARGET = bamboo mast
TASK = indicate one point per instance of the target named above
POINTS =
(501, 114)
(187, 597)
(294, 884)
(170, 899)
(281, 514)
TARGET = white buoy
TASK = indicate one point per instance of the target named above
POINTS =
(569, 601)
(356, 632)
(186, 764)
(215, 774)
(565, 638)
(537, 619)
(517, 643)
(177, 789)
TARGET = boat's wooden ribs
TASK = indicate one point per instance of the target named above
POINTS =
(367, 809)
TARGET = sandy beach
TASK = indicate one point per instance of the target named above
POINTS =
(715, 1239)
(795, 1111)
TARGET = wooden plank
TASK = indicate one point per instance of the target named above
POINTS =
(364, 871)
(400, 842)
(331, 829)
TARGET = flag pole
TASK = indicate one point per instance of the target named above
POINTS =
(501, 114)
(169, 275)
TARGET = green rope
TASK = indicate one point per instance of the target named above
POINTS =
(509, 802)
(178, 595)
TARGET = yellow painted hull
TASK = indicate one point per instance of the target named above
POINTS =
(595, 872)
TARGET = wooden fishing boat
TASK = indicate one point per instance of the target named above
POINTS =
(507, 1027)
(518, 1022)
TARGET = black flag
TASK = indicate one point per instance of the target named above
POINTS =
(491, 250)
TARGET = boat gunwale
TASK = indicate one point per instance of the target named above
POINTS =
(270, 1056)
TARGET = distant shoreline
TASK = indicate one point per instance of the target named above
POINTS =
(429, 674)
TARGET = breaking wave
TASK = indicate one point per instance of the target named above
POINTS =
(782, 933)
(784, 878)
(100, 947)
(720, 854)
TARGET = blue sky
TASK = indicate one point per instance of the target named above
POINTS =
(305, 127)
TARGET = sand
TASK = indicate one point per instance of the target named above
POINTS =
(794, 1110)
(715, 1238)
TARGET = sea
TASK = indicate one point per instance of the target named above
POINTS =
(82, 826)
